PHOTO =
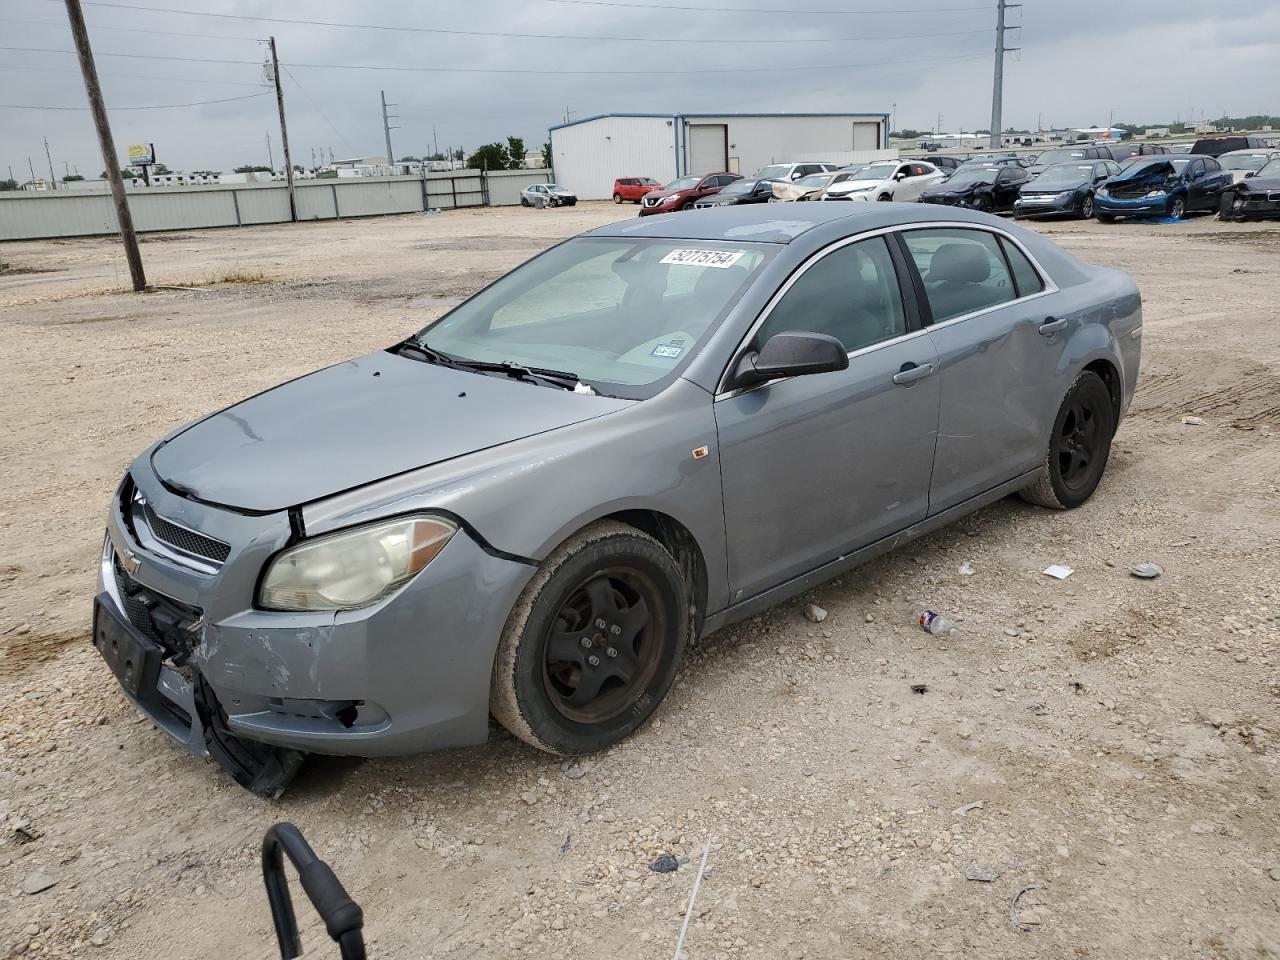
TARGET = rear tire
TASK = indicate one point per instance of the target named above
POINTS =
(545, 688)
(1079, 446)
(617, 198)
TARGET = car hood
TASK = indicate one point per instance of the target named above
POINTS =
(354, 423)
(945, 189)
(1035, 186)
(562, 192)
(1261, 184)
(1155, 173)
(659, 194)
(854, 186)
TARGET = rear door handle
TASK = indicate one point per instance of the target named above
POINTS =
(910, 373)
(1051, 325)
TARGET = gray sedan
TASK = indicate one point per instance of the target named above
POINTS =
(533, 506)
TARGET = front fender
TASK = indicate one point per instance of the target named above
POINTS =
(526, 497)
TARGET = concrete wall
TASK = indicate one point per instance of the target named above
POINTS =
(755, 142)
(588, 156)
(88, 211)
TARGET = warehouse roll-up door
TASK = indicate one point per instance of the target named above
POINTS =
(708, 148)
(866, 136)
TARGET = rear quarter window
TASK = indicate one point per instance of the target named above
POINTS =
(1025, 276)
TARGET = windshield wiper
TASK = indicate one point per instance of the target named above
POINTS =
(412, 346)
(518, 371)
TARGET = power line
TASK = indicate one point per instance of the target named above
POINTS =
(522, 70)
(821, 13)
(297, 83)
(154, 106)
(510, 35)
(164, 33)
(134, 76)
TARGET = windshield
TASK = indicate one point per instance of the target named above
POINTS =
(1065, 175)
(815, 180)
(616, 312)
(554, 186)
(684, 183)
(739, 186)
(966, 176)
(776, 171)
(1147, 166)
(1059, 156)
(649, 182)
(1246, 161)
(875, 171)
(1272, 169)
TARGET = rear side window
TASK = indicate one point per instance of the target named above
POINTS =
(851, 294)
(963, 270)
(1025, 277)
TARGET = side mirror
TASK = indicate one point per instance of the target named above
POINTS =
(791, 354)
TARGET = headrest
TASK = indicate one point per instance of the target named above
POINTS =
(960, 263)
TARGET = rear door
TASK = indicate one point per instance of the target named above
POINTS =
(816, 466)
(1008, 182)
(989, 315)
(1207, 184)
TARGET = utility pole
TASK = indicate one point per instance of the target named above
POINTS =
(271, 158)
(53, 177)
(284, 132)
(435, 141)
(99, 109)
(387, 128)
(997, 96)
(32, 167)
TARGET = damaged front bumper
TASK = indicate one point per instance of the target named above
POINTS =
(256, 689)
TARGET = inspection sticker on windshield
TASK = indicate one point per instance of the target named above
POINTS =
(704, 258)
(668, 350)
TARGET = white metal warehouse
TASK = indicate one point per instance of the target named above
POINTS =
(589, 154)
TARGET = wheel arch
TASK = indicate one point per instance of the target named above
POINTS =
(682, 545)
(1110, 376)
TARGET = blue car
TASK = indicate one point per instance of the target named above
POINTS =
(1167, 186)
(1064, 188)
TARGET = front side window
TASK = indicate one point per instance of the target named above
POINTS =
(615, 312)
(963, 270)
(851, 294)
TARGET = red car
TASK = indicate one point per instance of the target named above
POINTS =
(681, 194)
(632, 188)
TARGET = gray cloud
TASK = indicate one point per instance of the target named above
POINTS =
(1147, 60)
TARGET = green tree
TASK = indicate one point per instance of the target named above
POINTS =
(490, 156)
(160, 169)
(253, 168)
(71, 176)
(515, 153)
(126, 173)
(459, 154)
(909, 134)
(546, 154)
(409, 159)
(8, 184)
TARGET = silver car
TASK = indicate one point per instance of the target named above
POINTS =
(532, 507)
(547, 195)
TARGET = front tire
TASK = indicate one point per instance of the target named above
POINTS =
(884, 198)
(524, 202)
(1106, 218)
(1078, 446)
(982, 204)
(617, 198)
(1177, 208)
(1086, 207)
(593, 644)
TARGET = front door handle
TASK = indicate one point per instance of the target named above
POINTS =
(911, 372)
(1051, 325)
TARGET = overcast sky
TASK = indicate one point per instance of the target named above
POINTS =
(1146, 60)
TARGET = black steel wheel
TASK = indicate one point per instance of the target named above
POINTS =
(594, 642)
(1086, 207)
(1079, 446)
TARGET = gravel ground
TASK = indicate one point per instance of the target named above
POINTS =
(1102, 745)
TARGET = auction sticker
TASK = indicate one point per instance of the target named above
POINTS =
(704, 258)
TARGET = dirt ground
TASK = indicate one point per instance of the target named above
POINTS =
(1103, 745)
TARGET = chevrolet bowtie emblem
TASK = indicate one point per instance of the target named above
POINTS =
(130, 561)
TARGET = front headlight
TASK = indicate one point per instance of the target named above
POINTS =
(1104, 192)
(1066, 195)
(671, 199)
(1155, 193)
(354, 568)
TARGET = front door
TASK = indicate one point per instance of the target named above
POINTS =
(1000, 346)
(816, 466)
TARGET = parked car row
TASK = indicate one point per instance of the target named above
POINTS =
(1102, 180)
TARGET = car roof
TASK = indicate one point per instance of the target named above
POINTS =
(763, 223)
(1251, 152)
